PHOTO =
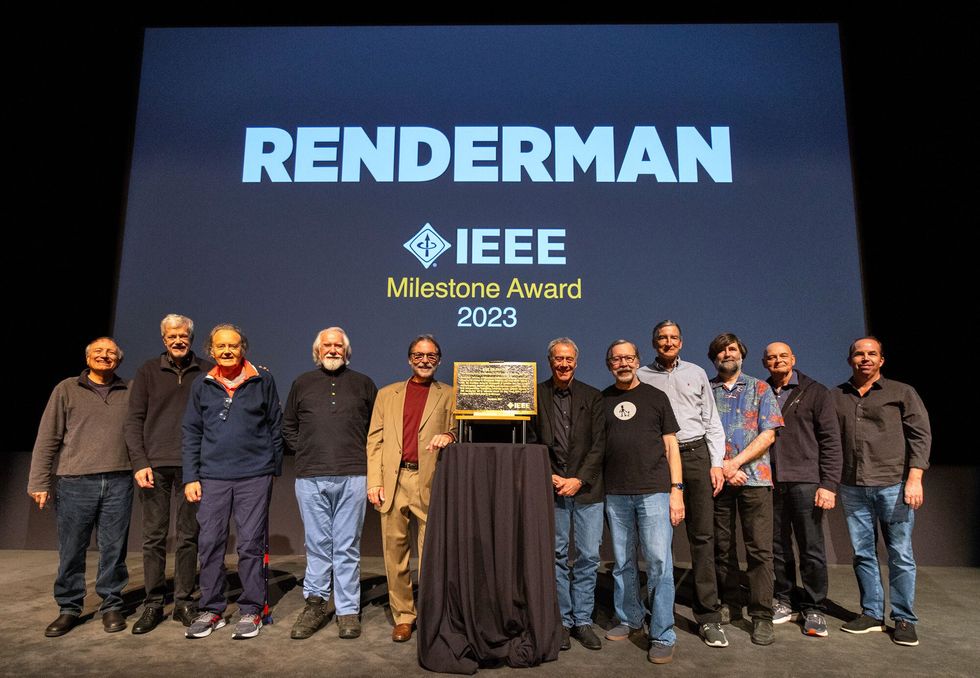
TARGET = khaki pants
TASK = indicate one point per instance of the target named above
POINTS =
(395, 534)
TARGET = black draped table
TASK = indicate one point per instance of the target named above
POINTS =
(487, 580)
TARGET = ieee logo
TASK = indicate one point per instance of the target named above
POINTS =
(427, 245)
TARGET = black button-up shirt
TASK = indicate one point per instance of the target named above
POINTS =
(884, 432)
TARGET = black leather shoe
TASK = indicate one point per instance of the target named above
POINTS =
(585, 635)
(148, 620)
(186, 614)
(566, 643)
(113, 621)
(62, 625)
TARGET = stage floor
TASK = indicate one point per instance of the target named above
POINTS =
(946, 603)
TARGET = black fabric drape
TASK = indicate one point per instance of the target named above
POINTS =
(487, 581)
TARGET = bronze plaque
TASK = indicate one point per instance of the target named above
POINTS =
(495, 389)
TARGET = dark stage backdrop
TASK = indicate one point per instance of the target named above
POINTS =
(494, 186)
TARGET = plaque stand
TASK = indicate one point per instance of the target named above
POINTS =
(517, 423)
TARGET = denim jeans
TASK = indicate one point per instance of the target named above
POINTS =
(168, 487)
(100, 501)
(646, 516)
(867, 508)
(576, 583)
(333, 509)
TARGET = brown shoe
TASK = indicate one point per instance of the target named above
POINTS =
(401, 633)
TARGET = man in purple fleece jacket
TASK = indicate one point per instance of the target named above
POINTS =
(232, 448)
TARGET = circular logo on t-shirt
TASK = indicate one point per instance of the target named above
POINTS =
(624, 410)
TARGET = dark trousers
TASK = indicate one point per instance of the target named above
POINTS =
(156, 502)
(699, 521)
(795, 515)
(753, 505)
(247, 499)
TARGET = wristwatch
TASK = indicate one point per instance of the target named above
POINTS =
(679, 486)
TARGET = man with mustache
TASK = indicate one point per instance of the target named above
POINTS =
(750, 416)
(412, 420)
(325, 425)
(153, 436)
(80, 465)
(644, 486)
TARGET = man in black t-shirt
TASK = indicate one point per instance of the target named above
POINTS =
(643, 478)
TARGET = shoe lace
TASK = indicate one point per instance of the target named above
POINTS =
(249, 618)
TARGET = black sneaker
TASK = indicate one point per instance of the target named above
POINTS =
(713, 635)
(904, 633)
(585, 635)
(148, 621)
(863, 624)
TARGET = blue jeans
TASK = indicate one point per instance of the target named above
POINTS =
(649, 516)
(576, 583)
(101, 501)
(333, 509)
(867, 508)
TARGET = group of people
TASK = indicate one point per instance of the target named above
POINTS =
(663, 444)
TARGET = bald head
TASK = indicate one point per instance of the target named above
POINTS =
(778, 358)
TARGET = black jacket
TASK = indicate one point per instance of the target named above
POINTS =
(586, 441)
(156, 409)
(808, 447)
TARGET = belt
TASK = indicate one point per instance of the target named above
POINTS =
(691, 444)
(410, 465)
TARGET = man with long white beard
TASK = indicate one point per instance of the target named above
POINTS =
(325, 425)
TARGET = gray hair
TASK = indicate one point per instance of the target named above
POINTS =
(233, 328)
(119, 351)
(316, 344)
(176, 320)
(561, 341)
(619, 342)
(662, 324)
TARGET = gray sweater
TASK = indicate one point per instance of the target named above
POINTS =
(80, 433)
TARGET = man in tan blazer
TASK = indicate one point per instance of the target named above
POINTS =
(411, 422)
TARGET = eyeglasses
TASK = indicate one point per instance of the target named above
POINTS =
(419, 357)
(625, 359)
(223, 414)
(108, 352)
(563, 360)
